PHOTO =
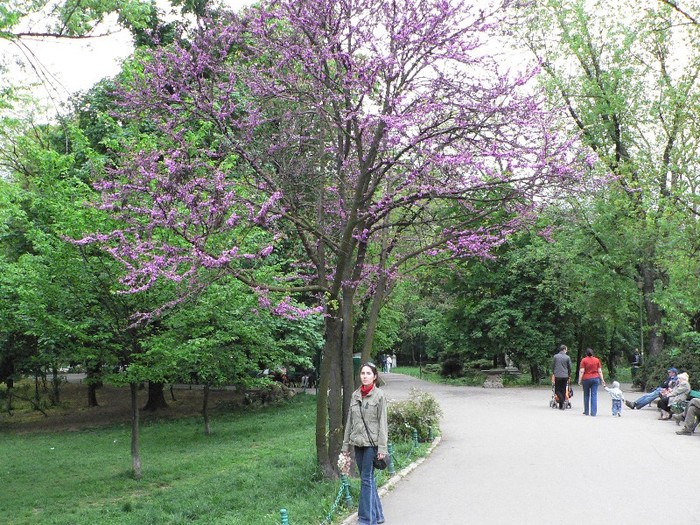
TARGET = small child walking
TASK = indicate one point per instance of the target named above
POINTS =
(617, 398)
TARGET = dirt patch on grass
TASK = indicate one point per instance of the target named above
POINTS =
(73, 412)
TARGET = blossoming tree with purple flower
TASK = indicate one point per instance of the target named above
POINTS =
(365, 133)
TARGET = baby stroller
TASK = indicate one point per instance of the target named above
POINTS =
(554, 402)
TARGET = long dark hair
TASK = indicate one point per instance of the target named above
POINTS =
(589, 352)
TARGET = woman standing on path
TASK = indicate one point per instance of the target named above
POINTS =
(590, 375)
(366, 429)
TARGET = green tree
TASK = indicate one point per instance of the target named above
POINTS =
(628, 82)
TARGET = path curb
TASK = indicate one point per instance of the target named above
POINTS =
(350, 520)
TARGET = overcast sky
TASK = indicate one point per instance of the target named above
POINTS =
(70, 65)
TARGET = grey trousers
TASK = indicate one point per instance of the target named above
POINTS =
(691, 413)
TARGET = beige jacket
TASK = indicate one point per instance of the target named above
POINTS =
(679, 393)
(373, 408)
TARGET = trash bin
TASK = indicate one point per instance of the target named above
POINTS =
(356, 362)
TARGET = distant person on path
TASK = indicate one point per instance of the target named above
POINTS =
(561, 368)
(617, 398)
(691, 412)
(636, 363)
(590, 376)
(394, 361)
(679, 393)
(366, 429)
(659, 391)
(389, 362)
(636, 358)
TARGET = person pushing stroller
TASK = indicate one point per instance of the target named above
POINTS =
(561, 369)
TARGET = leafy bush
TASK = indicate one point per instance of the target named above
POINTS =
(480, 364)
(432, 368)
(420, 411)
(452, 367)
(653, 372)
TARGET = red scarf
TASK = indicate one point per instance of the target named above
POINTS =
(366, 389)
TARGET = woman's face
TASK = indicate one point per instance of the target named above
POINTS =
(367, 376)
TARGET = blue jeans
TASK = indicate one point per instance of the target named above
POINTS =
(647, 398)
(370, 508)
(616, 406)
(590, 396)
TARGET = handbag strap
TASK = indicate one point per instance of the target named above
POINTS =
(369, 436)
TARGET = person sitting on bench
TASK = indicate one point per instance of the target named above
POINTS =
(660, 391)
(692, 411)
(677, 395)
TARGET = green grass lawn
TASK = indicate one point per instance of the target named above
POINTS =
(414, 371)
(255, 463)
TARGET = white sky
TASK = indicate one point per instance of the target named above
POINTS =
(68, 66)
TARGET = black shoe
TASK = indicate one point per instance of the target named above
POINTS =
(629, 404)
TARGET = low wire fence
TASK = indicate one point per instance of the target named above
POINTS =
(349, 486)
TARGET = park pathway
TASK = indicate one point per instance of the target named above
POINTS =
(507, 458)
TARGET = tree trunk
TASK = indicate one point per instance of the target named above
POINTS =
(135, 454)
(611, 357)
(335, 397)
(92, 395)
(156, 397)
(323, 401)
(329, 402)
(380, 293)
(10, 392)
(371, 328)
(205, 411)
(346, 353)
(654, 313)
(55, 387)
(580, 351)
(94, 381)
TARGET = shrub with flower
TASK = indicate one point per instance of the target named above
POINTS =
(420, 411)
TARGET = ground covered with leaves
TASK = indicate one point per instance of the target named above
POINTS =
(72, 413)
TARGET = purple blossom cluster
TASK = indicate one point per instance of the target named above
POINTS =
(375, 131)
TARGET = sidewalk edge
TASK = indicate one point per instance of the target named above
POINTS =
(397, 477)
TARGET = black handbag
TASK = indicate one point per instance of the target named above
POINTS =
(379, 464)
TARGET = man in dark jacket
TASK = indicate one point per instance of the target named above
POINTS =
(561, 368)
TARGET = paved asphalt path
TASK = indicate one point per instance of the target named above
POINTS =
(506, 458)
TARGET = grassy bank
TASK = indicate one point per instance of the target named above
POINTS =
(255, 463)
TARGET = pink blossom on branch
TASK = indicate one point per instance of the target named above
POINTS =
(341, 121)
